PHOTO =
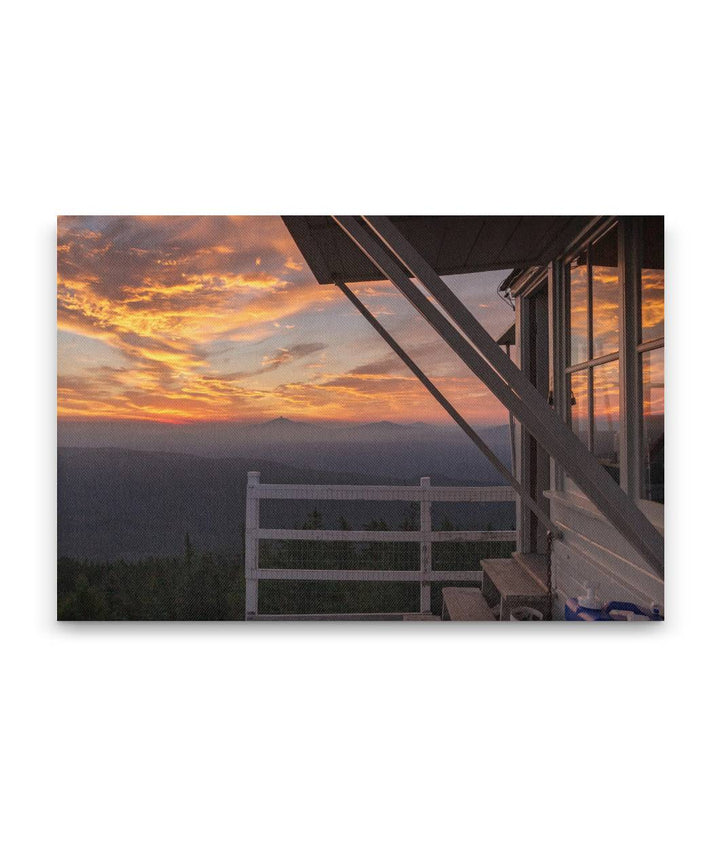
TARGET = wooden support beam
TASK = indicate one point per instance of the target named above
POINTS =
(425, 546)
(252, 524)
(503, 379)
(448, 407)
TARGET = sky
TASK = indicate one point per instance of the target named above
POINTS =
(192, 319)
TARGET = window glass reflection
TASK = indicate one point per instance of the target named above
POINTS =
(579, 413)
(653, 279)
(579, 310)
(653, 441)
(606, 295)
(606, 417)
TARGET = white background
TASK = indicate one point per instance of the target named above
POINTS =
(357, 739)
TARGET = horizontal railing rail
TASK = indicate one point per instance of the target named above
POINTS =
(409, 493)
(370, 575)
(413, 535)
(424, 494)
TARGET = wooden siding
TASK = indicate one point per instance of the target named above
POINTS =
(591, 549)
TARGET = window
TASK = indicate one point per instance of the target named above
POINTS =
(606, 416)
(593, 374)
(652, 359)
(579, 405)
(579, 306)
(601, 417)
(605, 295)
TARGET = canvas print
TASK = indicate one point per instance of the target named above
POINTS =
(410, 418)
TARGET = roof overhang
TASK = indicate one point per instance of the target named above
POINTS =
(451, 245)
(508, 337)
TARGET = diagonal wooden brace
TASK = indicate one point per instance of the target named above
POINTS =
(503, 378)
(525, 497)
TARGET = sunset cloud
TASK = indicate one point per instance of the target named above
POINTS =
(287, 355)
(278, 358)
(207, 318)
(379, 367)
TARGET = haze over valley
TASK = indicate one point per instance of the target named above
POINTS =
(133, 490)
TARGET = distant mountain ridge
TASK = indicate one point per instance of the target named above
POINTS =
(280, 420)
(212, 438)
(120, 503)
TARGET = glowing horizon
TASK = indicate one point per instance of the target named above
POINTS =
(218, 319)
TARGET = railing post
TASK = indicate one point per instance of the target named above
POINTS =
(425, 545)
(252, 524)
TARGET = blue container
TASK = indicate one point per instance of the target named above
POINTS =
(575, 612)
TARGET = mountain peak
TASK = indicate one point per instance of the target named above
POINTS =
(282, 420)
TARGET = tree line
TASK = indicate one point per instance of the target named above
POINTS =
(205, 586)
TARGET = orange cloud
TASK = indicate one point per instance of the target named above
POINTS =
(202, 316)
(160, 291)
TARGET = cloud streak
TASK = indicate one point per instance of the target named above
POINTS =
(280, 357)
(162, 291)
(218, 318)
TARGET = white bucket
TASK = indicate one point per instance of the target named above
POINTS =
(525, 613)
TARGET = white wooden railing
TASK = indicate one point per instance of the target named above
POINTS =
(424, 494)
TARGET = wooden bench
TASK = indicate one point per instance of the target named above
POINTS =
(465, 604)
(517, 582)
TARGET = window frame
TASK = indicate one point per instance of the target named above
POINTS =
(592, 362)
(640, 349)
(628, 356)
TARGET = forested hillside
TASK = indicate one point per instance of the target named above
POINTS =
(210, 587)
